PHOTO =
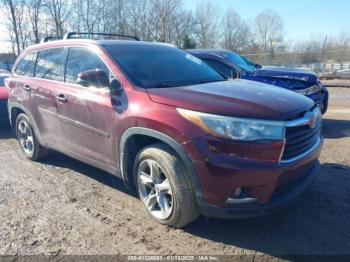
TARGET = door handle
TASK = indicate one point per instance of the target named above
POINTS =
(62, 98)
(27, 88)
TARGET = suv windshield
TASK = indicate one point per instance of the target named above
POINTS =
(157, 66)
(241, 62)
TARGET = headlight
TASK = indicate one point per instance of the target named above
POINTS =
(235, 128)
(310, 90)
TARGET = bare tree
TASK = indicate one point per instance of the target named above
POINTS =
(15, 12)
(235, 31)
(59, 12)
(139, 18)
(207, 24)
(183, 25)
(165, 17)
(268, 28)
(114, 17)
(87, 15)
(34, 12)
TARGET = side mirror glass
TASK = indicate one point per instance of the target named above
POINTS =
(116, 87)
(95, 77)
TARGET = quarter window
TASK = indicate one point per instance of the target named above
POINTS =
(26, 66)
(49, 65)
(81, 59)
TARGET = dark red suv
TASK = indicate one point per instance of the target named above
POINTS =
(189, 141)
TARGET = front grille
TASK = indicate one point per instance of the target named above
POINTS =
(299, 139)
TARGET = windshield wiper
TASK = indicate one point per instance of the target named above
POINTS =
(160, 85)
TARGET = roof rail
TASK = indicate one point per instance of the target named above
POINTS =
(70, 34)
(48, 38)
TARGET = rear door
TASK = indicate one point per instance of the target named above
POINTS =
(86, 115)
(47, 81)
(22, 80)
(35, 80)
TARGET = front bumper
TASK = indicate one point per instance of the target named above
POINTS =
(281, 197)
(271, 184)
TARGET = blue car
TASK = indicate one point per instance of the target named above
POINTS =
(232, 65)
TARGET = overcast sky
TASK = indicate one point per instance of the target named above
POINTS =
(302, 18)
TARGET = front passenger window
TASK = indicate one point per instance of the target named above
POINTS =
(82, 59)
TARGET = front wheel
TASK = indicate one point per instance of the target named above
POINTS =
(164, 187)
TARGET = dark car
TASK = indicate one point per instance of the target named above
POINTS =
(232, 65)
(4, 95)
(189, 141)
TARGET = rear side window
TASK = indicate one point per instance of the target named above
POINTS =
(49, 64)
(220, 68)
(81, 59)
(26, 66)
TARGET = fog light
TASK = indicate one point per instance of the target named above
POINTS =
(238, 192)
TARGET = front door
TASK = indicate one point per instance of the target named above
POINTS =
(85, 114)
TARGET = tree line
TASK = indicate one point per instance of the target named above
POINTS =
(156, 20)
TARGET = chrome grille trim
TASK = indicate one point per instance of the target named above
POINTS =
(316, 145)
(302, 136)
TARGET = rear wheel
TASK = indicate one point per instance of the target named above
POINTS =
(27, 139)
(163, 186)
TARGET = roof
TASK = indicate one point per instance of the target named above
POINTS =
(69, 42)
(208, 51)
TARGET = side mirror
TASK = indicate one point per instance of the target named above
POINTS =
(234, 74)
(95, 77)
(116, 87)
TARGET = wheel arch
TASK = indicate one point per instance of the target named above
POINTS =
(14, 110)
(157, 137)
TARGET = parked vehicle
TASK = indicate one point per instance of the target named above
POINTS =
(340, 74)
(189, 141)
(232, 65)
(3, 97)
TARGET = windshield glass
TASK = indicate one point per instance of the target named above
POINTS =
(157, 66)
(241, 62)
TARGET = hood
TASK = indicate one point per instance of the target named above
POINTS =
(4, 94)
(240, 98)
(289, 73)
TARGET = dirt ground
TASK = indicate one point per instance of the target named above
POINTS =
(62, 206)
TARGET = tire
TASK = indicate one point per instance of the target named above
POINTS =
(170, 184)
(30, 146)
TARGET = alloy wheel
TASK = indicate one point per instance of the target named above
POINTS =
(25, 137)
(155, 190)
